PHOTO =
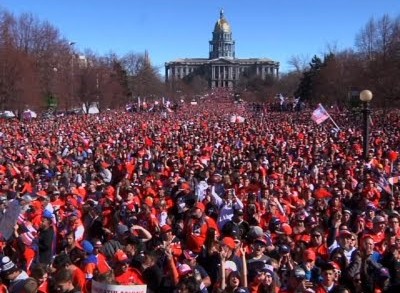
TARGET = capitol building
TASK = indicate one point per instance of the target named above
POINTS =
(221, 68)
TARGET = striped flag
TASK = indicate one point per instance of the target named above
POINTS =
(320, 114)
(383, 183)
(394, 180)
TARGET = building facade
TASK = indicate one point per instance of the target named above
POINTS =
(221, 68)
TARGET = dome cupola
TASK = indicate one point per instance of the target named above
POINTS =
(222, 45)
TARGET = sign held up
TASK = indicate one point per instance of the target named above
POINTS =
(107, 288)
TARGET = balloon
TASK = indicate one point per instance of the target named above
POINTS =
(393, 156)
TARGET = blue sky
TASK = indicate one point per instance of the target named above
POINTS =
(172, 29)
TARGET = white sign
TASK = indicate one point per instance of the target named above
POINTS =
(236, 119)
(106, 288)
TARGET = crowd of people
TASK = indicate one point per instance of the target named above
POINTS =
(193, 202)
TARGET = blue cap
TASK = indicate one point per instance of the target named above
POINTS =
(87, 246)
(48, 215)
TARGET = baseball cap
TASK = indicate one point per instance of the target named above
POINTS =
(230, 265)
(299, 273)
(87, 246)
(238, 212)
(166, 228)
(184, 269)
(268, 269)
(371, 206)
(261, 240)
(200, 206)
(286, 229)
(347, 211)
(121, 256)
(229, 241)
(345, 233)
(122, 229)
(275, 221)
(48, 215)
(283, 249)
(378, 219)
(309, 255)
(189, 254)
(255, 232)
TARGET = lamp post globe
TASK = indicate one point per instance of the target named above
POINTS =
(366, 96)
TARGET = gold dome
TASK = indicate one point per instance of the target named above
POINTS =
(222, 24)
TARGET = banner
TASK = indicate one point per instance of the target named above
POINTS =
(107, 288)
(9, 219)
(319, 115)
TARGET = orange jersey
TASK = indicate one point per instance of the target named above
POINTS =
(131, 276)
(196, 232)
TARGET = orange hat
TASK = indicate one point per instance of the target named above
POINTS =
(309, 255)
(166, 228)
(185, 186)
(322, 193)
(335, 265)
(303, 238)
(286, 229)
(121, 256)
(229, 241)
(200, 205)
(149, 201)
(105, 165)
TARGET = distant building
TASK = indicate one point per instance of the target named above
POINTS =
(222, 68)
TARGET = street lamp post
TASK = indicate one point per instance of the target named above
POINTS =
(366, 97)
(71, 44)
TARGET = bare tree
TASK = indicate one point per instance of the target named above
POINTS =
(18, 84)
(366, 40)
(299, 63)
(385, 33)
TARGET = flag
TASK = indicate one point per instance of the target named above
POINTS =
(383, 183)
(394, 180)
(319, 115)
(371, 122)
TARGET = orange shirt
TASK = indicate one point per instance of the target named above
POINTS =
(90, 269)
(196, 232)
(321, 251)
(3, 288)
(131, 276)
(78, 277)
(102, 264)
(44, 287)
